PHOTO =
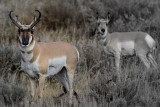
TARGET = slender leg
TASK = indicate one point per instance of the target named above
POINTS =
(144, 60)
(62, 76)
(32, 83)
(41, 86)
(152, 60)
(70, 74)
(117, 63)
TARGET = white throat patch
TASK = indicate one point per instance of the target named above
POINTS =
(27, 57)
(26, 48)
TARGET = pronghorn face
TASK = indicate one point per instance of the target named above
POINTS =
(25, 31)
(25, 36)
(103, 26)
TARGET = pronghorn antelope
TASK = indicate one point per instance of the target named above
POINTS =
(43, 60)
(126, 43)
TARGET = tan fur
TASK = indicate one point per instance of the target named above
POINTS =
(53, 50)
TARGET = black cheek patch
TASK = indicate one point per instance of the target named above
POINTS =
(32, 31)
(19, 31)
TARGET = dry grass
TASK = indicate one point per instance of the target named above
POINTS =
(95, 80)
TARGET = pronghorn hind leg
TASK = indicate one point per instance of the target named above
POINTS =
(144, 59)
(70, 73)
(63, 78)
(152, 60)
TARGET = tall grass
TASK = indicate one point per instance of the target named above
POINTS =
(73, 21)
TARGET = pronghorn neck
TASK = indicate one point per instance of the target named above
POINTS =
(105, 39)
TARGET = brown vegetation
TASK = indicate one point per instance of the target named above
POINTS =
(74, 21)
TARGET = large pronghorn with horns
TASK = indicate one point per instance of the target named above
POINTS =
(45, 59)
(126, 43)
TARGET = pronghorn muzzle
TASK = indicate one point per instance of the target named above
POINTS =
(25, 38)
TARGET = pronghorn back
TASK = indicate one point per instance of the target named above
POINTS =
(138, 40)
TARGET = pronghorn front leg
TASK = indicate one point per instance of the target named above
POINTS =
(117, 63)
(41, 86)
(32, 82)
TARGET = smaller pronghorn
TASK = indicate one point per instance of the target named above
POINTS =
(126, 43)
(45, 59)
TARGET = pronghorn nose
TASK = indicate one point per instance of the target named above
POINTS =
(103, 30)
(25, 41)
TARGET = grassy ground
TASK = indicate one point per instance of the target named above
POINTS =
(73, 21)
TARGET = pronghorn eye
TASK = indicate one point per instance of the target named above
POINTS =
(19, 31)
(32, 31)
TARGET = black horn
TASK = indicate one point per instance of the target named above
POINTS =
(15, 22)
(37, 20)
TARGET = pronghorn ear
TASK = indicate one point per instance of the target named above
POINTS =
(108, 17)
(98, 18)
(97, 15)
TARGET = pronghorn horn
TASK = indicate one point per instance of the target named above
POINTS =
(15, 22)
(37, 20)
(18, 21)
(33, 21)
(108, 16)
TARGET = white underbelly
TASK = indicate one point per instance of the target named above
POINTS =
(126, 48)
(56, 65)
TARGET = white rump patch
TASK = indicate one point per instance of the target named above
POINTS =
(55, 65)
(150, 41)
